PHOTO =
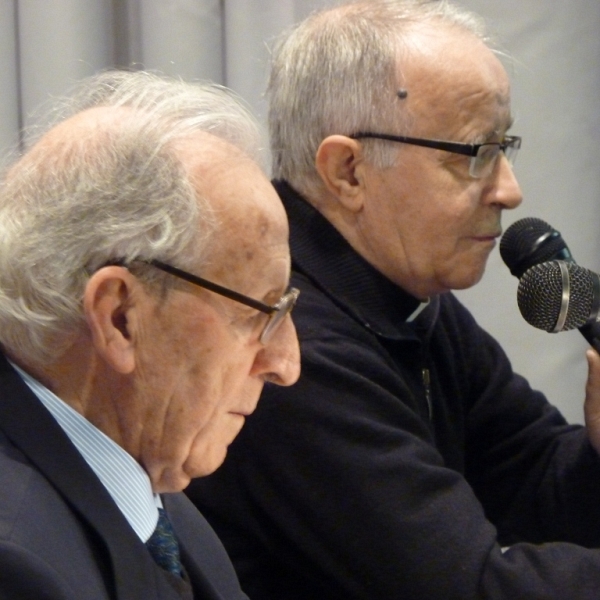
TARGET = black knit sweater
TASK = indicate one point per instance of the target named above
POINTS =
(404, 458)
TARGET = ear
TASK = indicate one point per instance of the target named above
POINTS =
(108, 306)
(340, 163)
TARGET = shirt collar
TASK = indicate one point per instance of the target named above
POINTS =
(329, 260)
(123, 477)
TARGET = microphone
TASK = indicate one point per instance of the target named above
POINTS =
(529, 242)
(558, 296)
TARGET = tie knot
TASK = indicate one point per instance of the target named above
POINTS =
(163, 545)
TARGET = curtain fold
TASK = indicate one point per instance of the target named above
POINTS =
(180, 38)
(10, 119)
(59, 42)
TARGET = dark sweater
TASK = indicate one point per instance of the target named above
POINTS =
(404, 458)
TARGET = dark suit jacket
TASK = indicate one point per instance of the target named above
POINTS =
(62, 536)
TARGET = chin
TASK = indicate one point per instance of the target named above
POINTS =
(170, 483)
(176, 480)
(207, 464)
(467, 281)
(473, 275)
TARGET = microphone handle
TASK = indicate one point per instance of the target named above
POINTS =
(591, 330)
(536, 256)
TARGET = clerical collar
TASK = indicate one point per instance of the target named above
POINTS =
(320, 252)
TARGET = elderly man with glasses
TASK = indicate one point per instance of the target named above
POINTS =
(409, 461)
(144, 264)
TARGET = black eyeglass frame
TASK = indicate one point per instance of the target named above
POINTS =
(277, 312)
(510, 141)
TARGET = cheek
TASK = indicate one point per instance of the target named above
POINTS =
(444, 221)
(217, 372)
(212, 425)
(436, 237)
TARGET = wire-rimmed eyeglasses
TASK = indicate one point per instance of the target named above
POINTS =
(483, 156)
(277, 313)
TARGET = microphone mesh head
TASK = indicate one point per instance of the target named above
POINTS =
(520, 248)
(540, 295)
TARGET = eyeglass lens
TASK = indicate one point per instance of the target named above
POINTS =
(483, 164)
(284, 307)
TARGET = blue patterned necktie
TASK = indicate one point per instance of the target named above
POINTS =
(163, 545)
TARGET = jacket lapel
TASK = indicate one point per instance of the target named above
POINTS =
(29, 426)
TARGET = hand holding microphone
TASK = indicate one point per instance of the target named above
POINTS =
(555, 294)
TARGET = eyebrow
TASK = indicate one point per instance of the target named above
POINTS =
(496, 132)
(274, 290)
(277, 291)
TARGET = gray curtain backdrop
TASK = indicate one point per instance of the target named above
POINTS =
(46, 45)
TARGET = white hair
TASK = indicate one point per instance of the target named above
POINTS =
(118, 192)
(335, 73)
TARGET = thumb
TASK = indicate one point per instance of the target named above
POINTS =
(591, 407)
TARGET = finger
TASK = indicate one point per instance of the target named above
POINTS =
(591, 407)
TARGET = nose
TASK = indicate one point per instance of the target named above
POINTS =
(279, 361)
(504, 189)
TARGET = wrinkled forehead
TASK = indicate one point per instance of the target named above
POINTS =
(244, 202)
(251, 242)
(450, 74)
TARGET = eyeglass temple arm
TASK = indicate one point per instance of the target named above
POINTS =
(455, 147)
(213, 287)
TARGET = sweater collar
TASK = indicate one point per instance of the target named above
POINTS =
(321, 253)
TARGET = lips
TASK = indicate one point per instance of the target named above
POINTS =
(487, 237)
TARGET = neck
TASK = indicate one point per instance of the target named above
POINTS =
(81, 379)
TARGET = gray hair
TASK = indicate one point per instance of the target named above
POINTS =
(119, 192)
(335, 73)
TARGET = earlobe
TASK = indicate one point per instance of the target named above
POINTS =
(107, 309)
(339, 162)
